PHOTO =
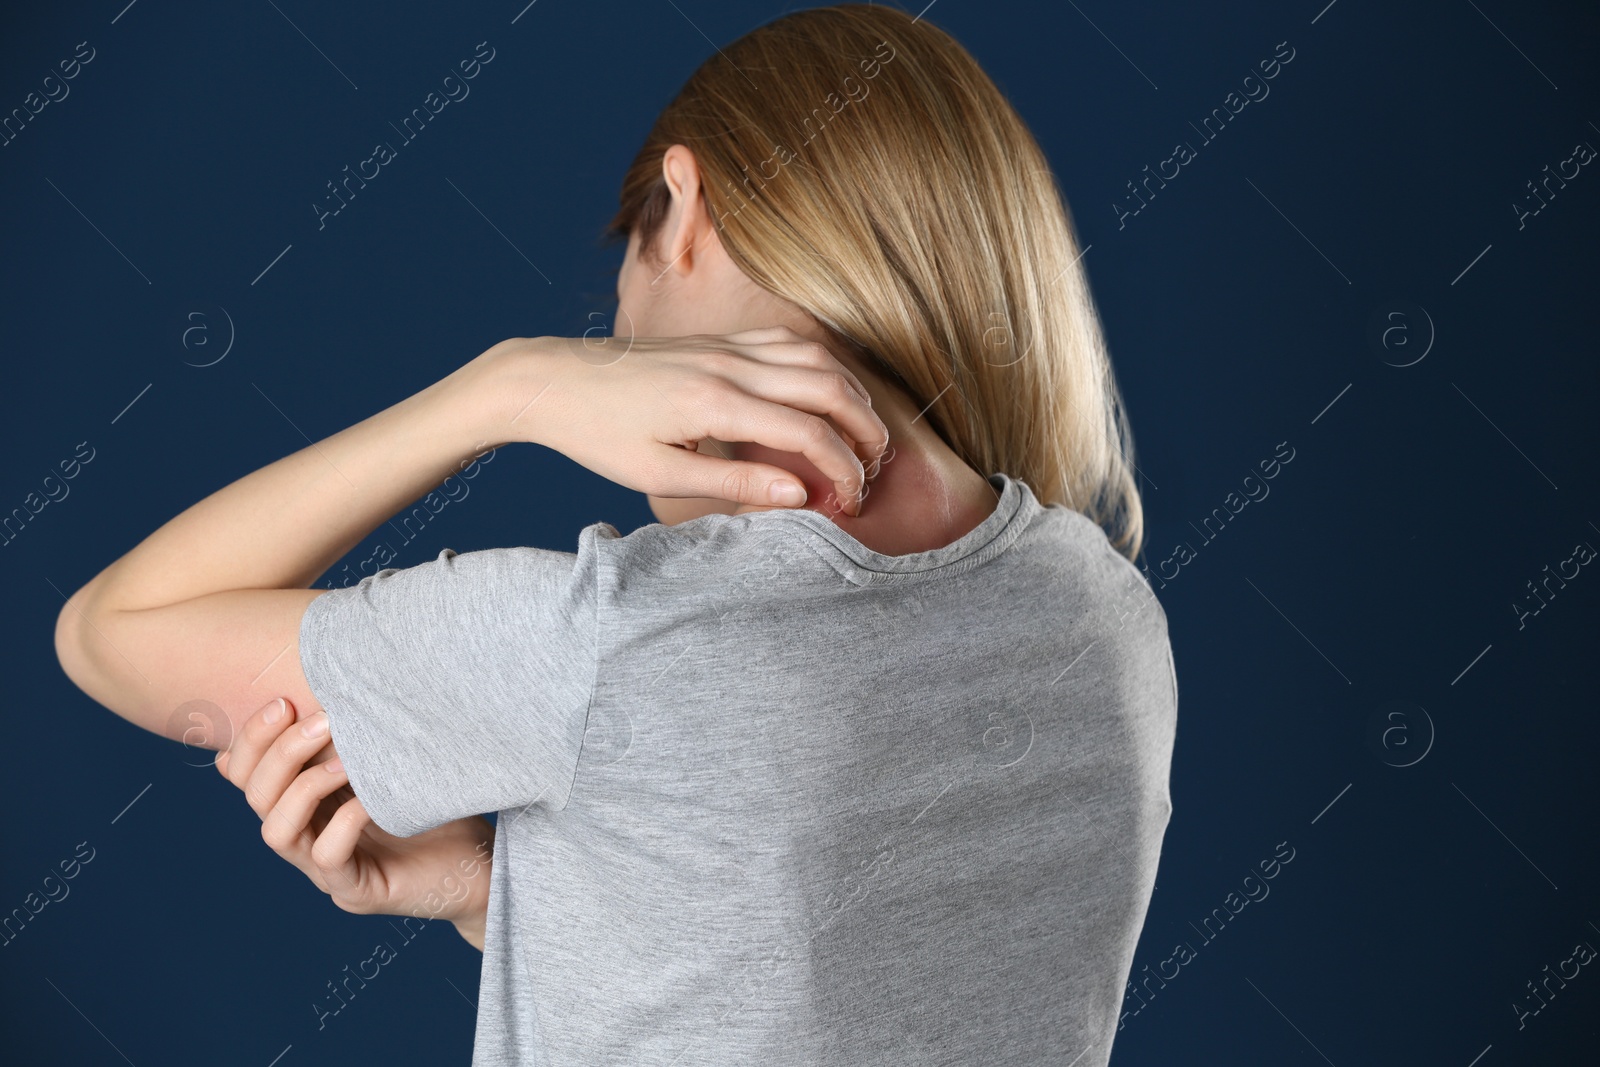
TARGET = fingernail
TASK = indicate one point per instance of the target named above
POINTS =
(334, 766)
(274, 712)
(786, 493)
(315, 726)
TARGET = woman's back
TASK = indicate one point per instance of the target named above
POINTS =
(771, 794)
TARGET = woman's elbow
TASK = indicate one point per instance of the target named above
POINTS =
(69, 642)
(75, 641)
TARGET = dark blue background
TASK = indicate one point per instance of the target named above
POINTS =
(1420, 899)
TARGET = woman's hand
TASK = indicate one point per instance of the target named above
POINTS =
(311, 818)
(634, 410)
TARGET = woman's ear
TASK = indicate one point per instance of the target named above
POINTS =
(687, 217)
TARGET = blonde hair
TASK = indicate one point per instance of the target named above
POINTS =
(861, 165)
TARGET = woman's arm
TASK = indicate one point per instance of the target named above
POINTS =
(208, 607)
(221, 569)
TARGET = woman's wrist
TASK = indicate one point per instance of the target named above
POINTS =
(483, 395)
(513, 385)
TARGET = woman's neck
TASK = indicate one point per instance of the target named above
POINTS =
(924, 497)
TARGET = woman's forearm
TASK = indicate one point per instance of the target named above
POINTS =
(285, 524)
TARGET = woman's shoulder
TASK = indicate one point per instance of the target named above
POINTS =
(1073, 554)
(708, 541)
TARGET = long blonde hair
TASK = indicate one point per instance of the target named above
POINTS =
(861, 165)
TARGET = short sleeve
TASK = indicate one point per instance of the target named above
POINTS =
(461, 685)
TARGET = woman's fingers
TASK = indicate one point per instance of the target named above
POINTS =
(287, 825)
(254, 738)
(333, 854)
(695, 475)
(780, 344)
(285, 758)
(821, 392)
(779, 426)
(771, 387)
(272, 762)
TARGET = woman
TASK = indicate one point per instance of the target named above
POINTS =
(881, 777)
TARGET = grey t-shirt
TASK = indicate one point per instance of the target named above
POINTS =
(768, 796)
